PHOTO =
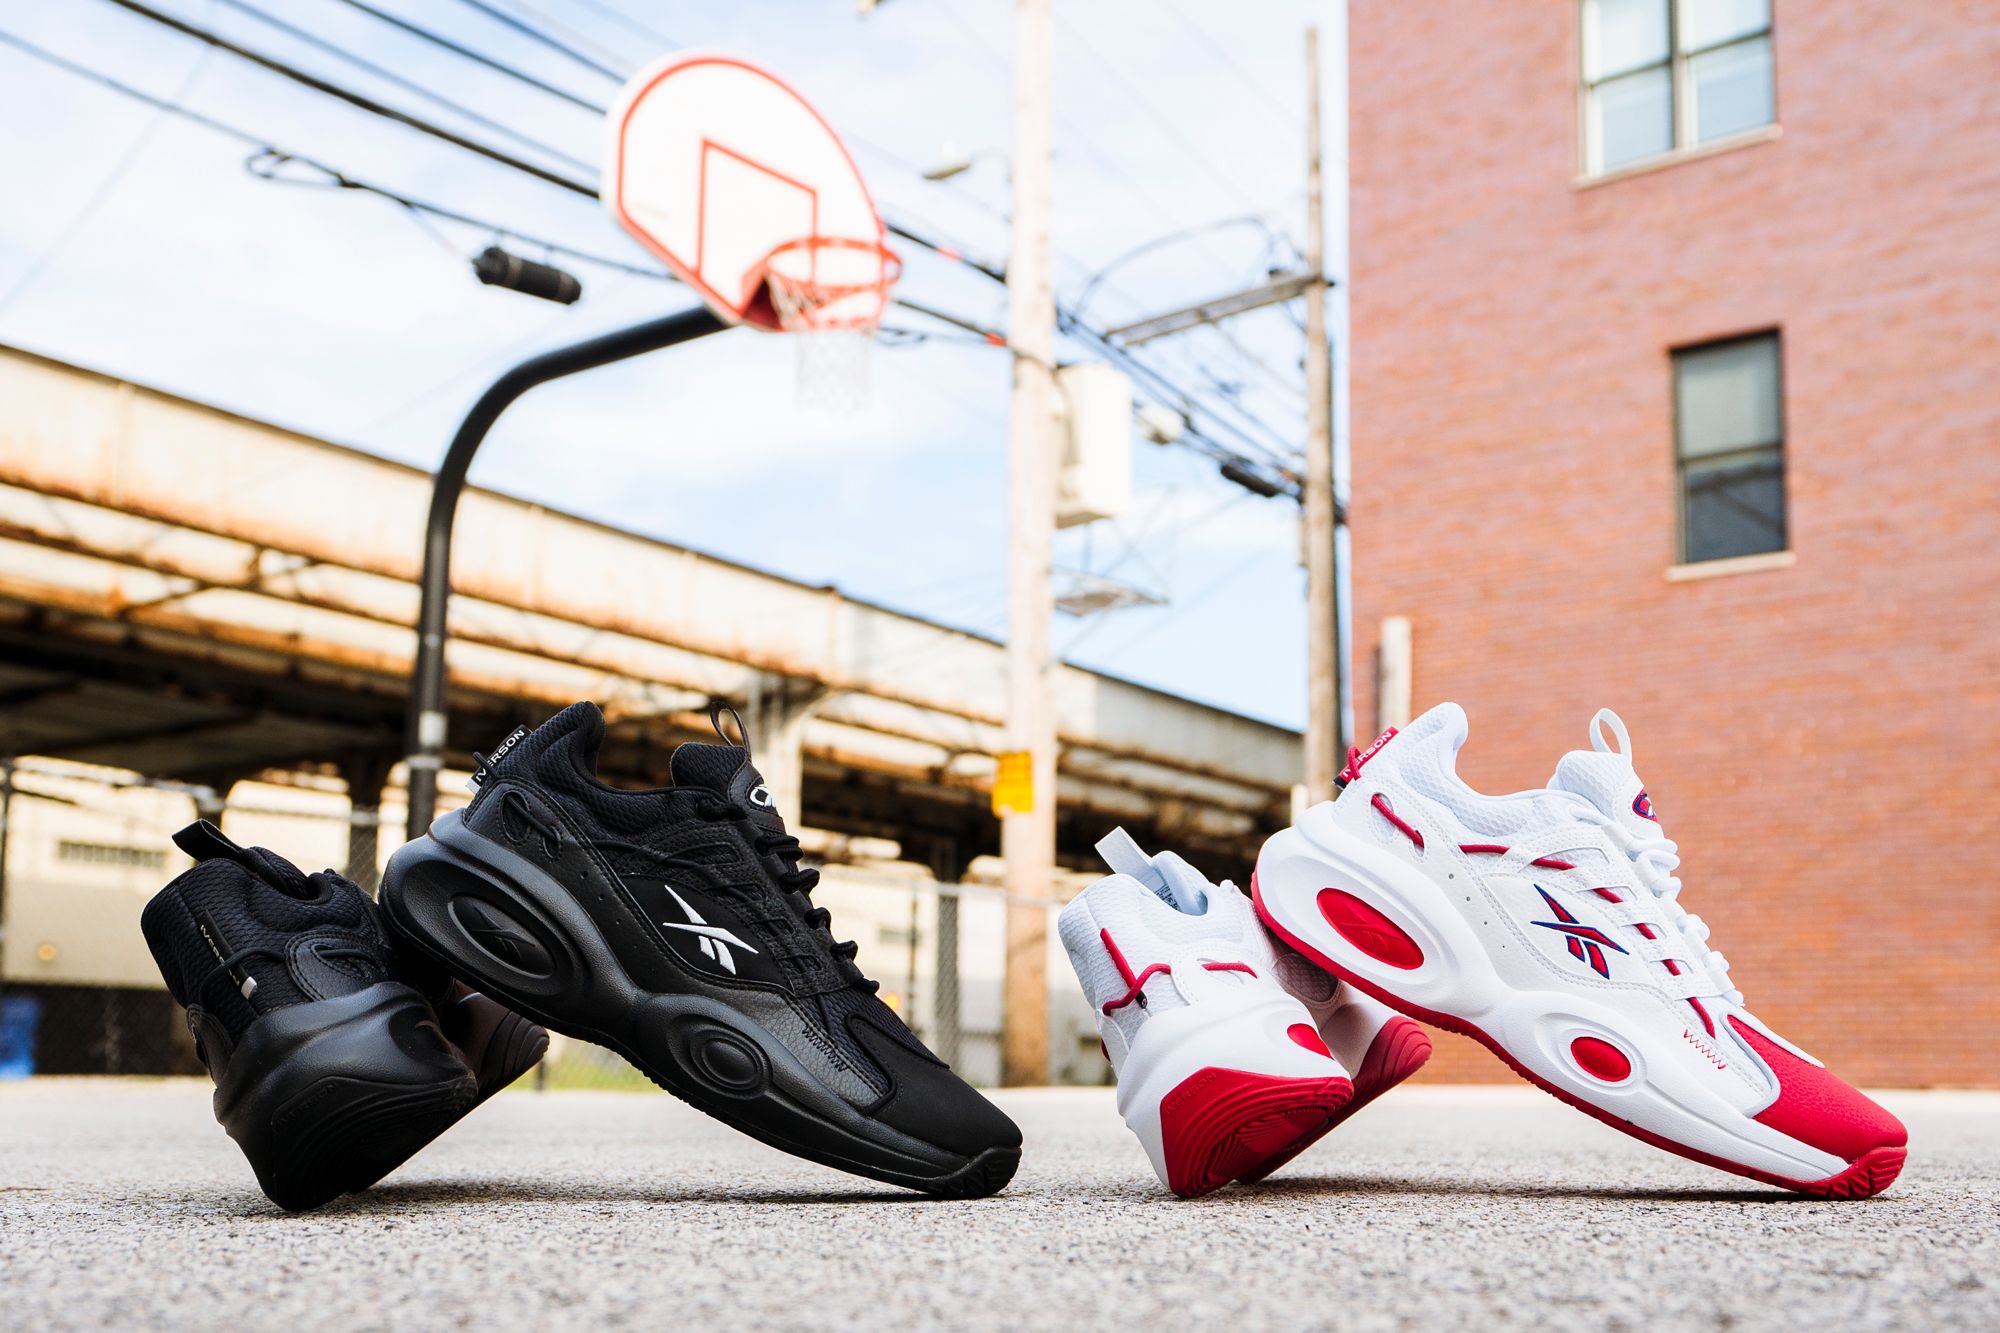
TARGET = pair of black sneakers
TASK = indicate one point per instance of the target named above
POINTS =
(336, 1055)
(674, 926)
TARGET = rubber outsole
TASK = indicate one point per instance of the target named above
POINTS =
(1220, 1125)
(711, 1057)
(327, 1097)
(1399, 1050)
(1867, 1175)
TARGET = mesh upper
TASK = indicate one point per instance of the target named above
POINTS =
(250, 911)
(663, 823)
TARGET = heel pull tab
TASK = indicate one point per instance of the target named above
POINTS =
(1357, 759)
(205, 842)
(484, 764)
(1125, 857)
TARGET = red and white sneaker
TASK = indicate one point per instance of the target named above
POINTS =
(1376, 1045)
(1546, 925)
(1221, 1073)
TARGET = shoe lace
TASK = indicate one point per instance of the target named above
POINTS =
(794, 879)
(1656, 857)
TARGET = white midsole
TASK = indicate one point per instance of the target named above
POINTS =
(1662, 1094)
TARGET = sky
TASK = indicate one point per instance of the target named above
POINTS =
(137, 243)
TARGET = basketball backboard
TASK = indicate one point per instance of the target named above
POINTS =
(727, 174)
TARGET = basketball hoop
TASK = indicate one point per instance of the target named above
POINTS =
(726, 173)
(828, 293)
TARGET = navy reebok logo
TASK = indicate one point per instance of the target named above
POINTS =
(1584, 941)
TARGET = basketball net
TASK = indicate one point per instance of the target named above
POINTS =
(828, 293)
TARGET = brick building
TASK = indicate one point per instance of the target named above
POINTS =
(1676, 387)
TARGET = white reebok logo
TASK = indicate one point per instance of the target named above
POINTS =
(715, 941)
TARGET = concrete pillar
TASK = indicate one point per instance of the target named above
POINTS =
(364, 775)
(779, 709)
(947, 864)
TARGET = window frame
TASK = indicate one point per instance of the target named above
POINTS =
(1682, 113)
(1778, 447)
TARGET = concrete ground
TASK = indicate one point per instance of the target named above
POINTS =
(123, 1205)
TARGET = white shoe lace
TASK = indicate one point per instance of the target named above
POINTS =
(1656, 859)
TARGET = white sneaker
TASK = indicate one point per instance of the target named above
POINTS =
(1545, 925)
(1221, 1073)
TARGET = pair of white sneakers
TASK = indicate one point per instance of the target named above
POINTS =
(1545, 924)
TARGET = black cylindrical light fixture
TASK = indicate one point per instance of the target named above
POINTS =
(498, 268)
(1251, 480)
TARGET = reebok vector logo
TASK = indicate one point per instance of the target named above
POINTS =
(716, 942)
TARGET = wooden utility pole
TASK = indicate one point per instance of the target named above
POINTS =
(1028, 816)
(1325, 741)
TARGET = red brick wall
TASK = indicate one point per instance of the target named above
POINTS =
(1820, 739)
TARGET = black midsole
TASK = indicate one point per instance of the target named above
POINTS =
(329, 1096)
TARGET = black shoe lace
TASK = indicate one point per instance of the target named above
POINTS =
(513, 803)
(795, 879)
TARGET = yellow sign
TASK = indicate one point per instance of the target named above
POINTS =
(1014, 784)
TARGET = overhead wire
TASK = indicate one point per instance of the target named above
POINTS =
(1260, 454)
(354, 99)
(389, 76)
(334, 178)
(630, 23)
(107, 187)
(550, 24)
(536, 35)
(465, 52)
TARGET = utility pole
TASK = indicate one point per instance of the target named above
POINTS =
(1028, 817)
(1325, 724)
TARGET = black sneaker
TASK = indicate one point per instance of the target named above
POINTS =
(330, 1063)
(675, 926)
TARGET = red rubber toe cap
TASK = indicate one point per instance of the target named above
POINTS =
(1815, 1107)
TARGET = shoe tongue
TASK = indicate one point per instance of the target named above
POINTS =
(1183, 881)
(1172, 880)
(727, 771)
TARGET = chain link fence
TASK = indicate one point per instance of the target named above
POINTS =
(82, 849)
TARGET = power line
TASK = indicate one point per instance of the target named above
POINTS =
(619, 16)
(1071, 325)
(355, 99)
(534, 34)
(1138, 98)
(578, 39)
(390, 76)
(477, 57)
(107, 187)
(333, 178)
(1219, 50)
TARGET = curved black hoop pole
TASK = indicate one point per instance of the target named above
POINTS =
(426, 735)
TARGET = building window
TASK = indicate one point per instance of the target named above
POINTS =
(1661, 75)
(110, 854)
(1729, 441)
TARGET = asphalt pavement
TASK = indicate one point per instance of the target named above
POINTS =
(122, 1205)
